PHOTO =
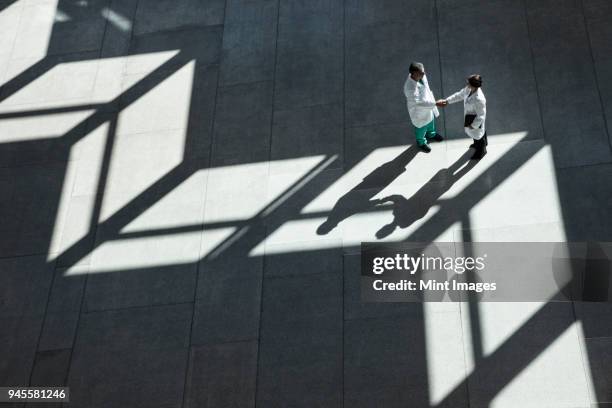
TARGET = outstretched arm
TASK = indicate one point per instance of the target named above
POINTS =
(457, 96)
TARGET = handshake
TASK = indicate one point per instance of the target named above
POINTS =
(441, 103)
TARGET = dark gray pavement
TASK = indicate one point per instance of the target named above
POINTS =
(166, 167)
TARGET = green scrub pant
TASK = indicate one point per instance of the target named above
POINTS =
(426, 132)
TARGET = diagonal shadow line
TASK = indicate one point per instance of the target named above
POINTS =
(472, 302)
(153, 193)
(244, 227)
(515, 362)
(113, 225)
(32, 73)
(51, 111)
(455, 209)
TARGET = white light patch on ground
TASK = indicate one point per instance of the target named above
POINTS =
(499, 321)
(214, 239)
(297, 236)
(34, 32)
(181, 207)
(327, 199)
(166, 106)
(9, 21)
(61, 217)
(31, 128)
(556, 376)
(72, 84)
(444, 347)
(117, 20)
(585, 360)
(240, 192)
(61, 17)
(144, 252)
(138, 162)
(528, 195)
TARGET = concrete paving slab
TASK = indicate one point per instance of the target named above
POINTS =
(301, 341)
(354, 308)
(164, 15)
(222, 375)
(118, 368)
(62, 313)
(383, 364)
(542, 330)
(78, 27)
(51, 368)
(599, 32)
(70, 78)
(308, 132)
(279, 264)
(31, 204)
(10, 14)
(502, 57)
(586, 210)
(378, 53)
(242, 124)
(309, 55)
(18, 344)
(595, 318)
(576, 141)
(227, 310)
(600, 357)
(249, 41)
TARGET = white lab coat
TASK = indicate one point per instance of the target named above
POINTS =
(476, 104)
(421, 102)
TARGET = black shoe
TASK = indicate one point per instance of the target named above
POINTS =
(481, 150)
(437, 137)
(425, 148)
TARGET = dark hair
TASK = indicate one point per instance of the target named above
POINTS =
(475, 80)
(416, 67)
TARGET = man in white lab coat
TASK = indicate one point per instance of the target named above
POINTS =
(475, 111)
(421, 106)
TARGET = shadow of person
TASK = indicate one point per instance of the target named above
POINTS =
(359, 198)
(407, 211)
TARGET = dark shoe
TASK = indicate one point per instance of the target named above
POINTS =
(481, 150)
(425, 148)
(437, 137)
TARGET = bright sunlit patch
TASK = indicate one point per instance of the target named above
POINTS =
(165, 106)
(327, 199)
(556, 375)
(145, 252)
(182, 206)
(444, 348)
(297, 236)
(34, 32)
(61, 17)
(243, 191)
(71, 84)
(36, 127)
(117, 20)
(535, 179)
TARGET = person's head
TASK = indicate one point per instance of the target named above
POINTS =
(417, 71)
(474, 81)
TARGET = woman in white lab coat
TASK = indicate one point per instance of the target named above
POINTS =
(475, 110)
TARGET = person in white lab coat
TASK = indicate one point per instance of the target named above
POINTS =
(421, 106)
(475, 111)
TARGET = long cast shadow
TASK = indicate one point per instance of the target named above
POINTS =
(408, 210)
(359, 199)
